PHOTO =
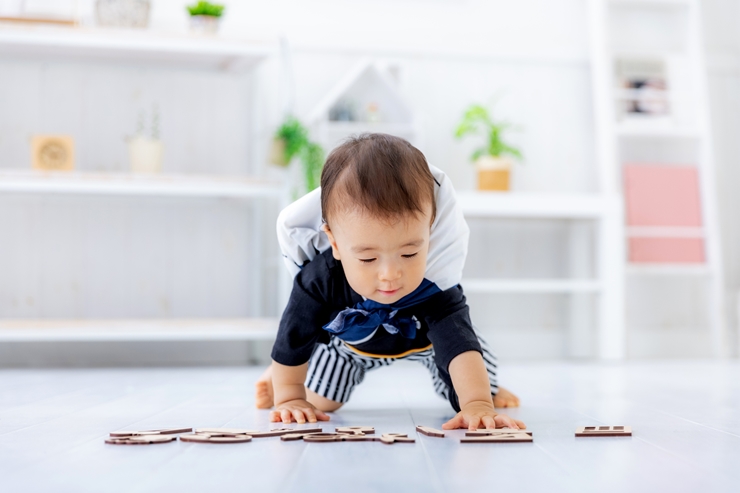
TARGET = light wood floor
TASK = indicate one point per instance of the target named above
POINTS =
(685, 417)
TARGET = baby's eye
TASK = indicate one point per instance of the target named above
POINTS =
(410, 255)
(366, 260)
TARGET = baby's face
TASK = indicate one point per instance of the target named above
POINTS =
(383, 261)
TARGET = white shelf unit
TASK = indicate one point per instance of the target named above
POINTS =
(140, 330)
(141, 48)
(604, 212)
(129, 184)
(131, 46)
(683, 45)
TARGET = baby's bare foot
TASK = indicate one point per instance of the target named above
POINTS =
(263, 390)
(504, 398)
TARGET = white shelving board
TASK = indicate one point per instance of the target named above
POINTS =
(161, 185)
(531, 286)
(131, 46)
(605, 212)
(536, 205)
(192, 329)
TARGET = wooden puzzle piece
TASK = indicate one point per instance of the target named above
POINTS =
(430, 432)
(283, 431)
(164, 431)
(216, 438)
(499, 438)
(391, 438)
(604, 431)
(232, 431)
(497, 431)
(140, 440)
(387, 438)
(297, 436)
(356, 430)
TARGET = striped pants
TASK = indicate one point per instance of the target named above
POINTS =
(334, 370)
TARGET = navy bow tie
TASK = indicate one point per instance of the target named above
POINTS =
(358, 324)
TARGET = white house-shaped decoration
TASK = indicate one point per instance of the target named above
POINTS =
(367, 99)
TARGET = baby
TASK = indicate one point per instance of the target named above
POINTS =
(381, 285)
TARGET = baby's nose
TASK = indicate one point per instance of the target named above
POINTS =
(390, 272)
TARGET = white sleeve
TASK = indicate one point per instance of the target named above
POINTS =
(299, 231)
(301, 239)
(448, 243)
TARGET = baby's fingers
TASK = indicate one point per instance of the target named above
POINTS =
(298, 416)
(274, 416)
(473, 423)
(321, 416)
(489, 422)
(503, 421)
(286, 415)
(310, 415)
(454, 423)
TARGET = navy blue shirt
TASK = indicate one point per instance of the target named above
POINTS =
(321, 291)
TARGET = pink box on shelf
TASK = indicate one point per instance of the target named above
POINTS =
(662, 195)
(666, 250)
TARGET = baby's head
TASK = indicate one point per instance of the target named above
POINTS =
(377, 201)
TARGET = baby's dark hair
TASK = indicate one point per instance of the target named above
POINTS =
(378, 173)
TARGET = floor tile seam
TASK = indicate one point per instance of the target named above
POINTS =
(658, 447)
(432, 472)
(698, 423)
(687, 461)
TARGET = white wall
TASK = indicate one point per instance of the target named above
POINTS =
(533, 53)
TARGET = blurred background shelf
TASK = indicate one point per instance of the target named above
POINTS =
(530, 286)
(128, 184)
(531, 205)
(131, 46)
(668, 269)
(234, 329)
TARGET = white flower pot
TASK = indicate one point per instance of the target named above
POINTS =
(145, 154)
(204, 24)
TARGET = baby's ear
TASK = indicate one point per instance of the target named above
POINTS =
(334, 250)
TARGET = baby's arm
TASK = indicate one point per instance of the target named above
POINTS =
(470, 379)
(290, 395)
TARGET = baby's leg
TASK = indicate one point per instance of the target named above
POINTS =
(264, 395)
(332, 375)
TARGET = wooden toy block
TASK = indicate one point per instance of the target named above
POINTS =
(216, 438)
(430, 432)
(164, 431)
(604, 431)
(140, 440)
(498, 431)
(498, 438)
(356, 430)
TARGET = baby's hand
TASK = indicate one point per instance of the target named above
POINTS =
(476, 413)
(298, 410)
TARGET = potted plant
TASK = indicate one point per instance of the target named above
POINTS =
(493, 161)
(291, 141)
(205, 17)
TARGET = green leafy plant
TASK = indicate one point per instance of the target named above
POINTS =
(294, 136)
(206, 8)
(477, 120)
